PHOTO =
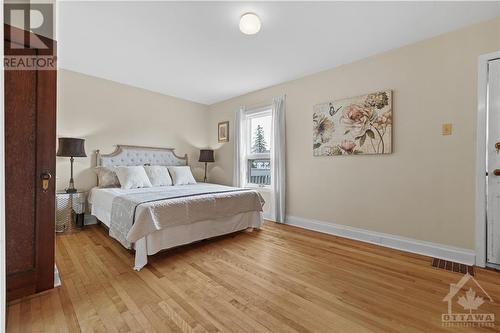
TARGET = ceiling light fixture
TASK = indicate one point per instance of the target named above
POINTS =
(250, 24)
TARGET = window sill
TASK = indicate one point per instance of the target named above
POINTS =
(259, 188)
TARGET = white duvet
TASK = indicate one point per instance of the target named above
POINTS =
(155, 239)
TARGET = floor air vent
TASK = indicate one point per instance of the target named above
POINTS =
(452, 266)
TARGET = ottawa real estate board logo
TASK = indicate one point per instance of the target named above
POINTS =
(470, 300)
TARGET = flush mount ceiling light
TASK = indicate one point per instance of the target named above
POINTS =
(250, 24)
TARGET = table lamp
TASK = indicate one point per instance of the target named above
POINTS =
(206, 155)
(71, 147)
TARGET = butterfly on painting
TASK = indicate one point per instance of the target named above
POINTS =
(333, 111)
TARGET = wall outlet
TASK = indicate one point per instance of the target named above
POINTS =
(447, 129)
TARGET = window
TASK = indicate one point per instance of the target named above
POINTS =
(258, 148)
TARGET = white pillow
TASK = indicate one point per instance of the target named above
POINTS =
(158, 175)
(181, 175)
(133, 177)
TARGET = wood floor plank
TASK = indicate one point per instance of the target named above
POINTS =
(70, 317)
(14, 322)
(302, 290)
(278, 279)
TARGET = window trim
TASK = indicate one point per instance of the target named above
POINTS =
(249, 115)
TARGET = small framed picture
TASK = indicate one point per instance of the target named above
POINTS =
(223, 131)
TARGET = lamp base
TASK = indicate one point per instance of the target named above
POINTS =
(71, 188)
(205, 178)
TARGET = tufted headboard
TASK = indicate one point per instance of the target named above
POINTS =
(137, 155)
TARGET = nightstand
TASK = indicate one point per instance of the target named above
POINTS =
(70, 210)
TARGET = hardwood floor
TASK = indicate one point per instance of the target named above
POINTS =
(279, 279)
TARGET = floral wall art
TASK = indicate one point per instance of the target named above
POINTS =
(351, 126)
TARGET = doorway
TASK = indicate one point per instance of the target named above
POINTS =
(488, 162)
(493, 164)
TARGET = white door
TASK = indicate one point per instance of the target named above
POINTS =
(493, 162)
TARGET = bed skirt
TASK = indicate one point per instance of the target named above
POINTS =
(186, 234)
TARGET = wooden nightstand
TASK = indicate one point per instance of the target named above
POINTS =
(70, 210)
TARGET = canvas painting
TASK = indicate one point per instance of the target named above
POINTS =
(353, 126)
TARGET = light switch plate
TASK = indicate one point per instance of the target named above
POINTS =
(447, 129)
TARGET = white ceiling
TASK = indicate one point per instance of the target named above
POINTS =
(194, 50)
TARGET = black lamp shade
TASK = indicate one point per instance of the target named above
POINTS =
(71, 147)
(206, 155)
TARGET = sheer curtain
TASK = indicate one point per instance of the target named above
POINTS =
(239, 168)
(278, 148)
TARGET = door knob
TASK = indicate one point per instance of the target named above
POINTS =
(497, 146)
(45, 177)
(496, 172)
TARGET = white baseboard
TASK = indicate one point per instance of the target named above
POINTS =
(268, 217)
(456, 254)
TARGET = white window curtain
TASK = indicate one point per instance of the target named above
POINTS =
(278, 148)
(239, 168)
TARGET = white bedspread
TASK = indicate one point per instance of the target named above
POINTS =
(176, 205)
(155, 237)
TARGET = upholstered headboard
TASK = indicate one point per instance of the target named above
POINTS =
(125, 155)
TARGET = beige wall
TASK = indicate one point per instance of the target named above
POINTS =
(425, 189)
(106, 113)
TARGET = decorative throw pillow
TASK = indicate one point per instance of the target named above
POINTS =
(133, 177)
(158, 175)
(106, 177)
(181, 175)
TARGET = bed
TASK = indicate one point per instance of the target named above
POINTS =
(152, 219)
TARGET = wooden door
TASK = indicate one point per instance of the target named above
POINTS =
(30, 145)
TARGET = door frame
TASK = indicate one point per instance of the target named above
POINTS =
(481, 168)
(3, 297)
